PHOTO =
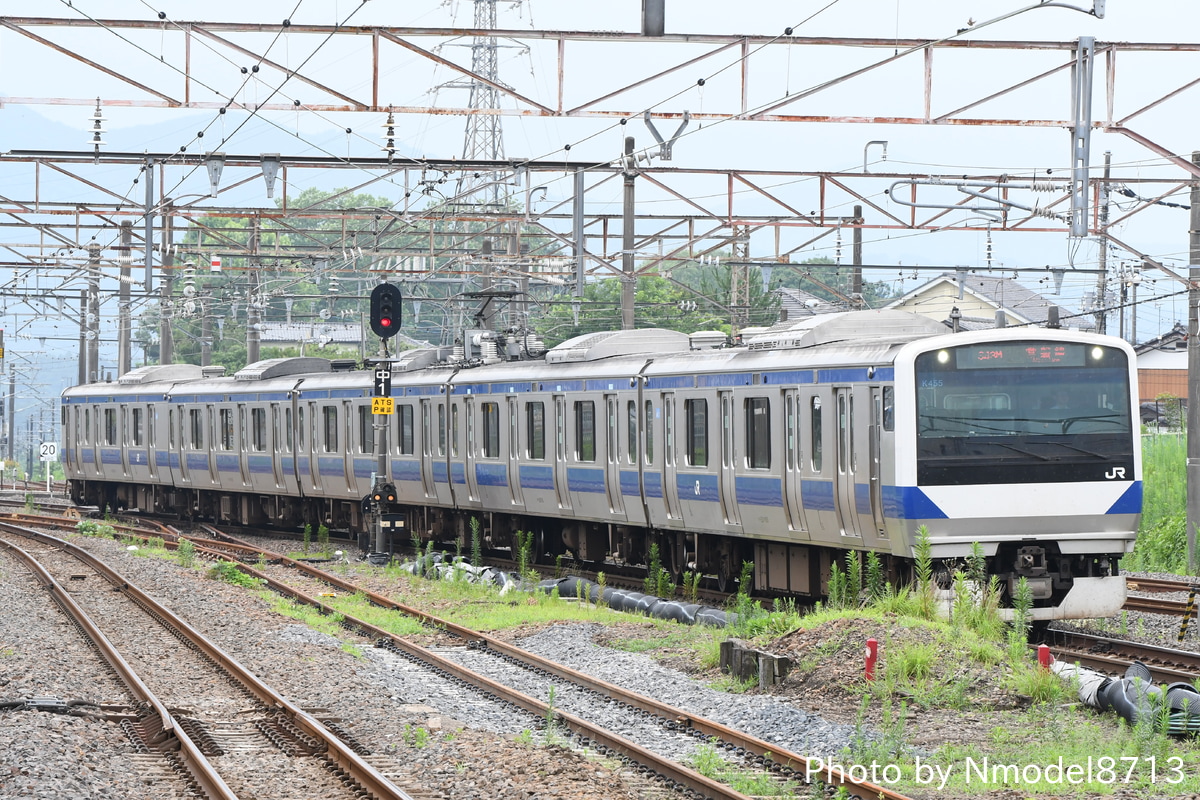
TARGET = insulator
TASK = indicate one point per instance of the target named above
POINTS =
(1045, 186)
(488, 351)
(459, 354)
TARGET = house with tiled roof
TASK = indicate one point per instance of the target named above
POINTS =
(1163, 365)
(797, 304)
(982, 301)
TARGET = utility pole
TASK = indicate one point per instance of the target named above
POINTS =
(93, 320)
(205, 332)
(124, 325)
(856, 274)
(253, 300)
(1102, 278)
(1193, 399)
(166, 337)
(628, 279)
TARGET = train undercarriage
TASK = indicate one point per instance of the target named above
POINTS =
(779, 568)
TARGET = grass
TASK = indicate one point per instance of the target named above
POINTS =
(1162, 538)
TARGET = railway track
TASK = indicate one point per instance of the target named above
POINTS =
(170, 670)
(1113, 656)
(466, 662)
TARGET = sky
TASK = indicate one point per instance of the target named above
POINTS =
(591, 70)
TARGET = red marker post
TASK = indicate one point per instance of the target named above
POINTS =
(1044, 657)
(872, 653)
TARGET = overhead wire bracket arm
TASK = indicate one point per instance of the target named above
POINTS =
(664, 148)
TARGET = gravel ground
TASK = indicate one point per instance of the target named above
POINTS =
(428, 732)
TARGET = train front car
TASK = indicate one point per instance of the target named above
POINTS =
(1026, 442)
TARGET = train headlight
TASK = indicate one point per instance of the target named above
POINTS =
(1097, 353)
(943, 356)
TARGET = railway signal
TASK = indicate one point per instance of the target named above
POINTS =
(385, 310)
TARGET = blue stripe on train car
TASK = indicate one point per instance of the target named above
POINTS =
(533, 477)
(260, 465)
(629, 483)
(162, 458)
(817, 495)
(583, 479)
(87, 454)
(227, 463)
(289, 465)
(862, 498)
(441, 473)
(697, 487)
(909, 502)
(303, 466)
(365, 467)
(491, 474)
(197, 461)
(406, 470)
(137, 458)
(653, 484)
(458, 474)
(110, 455)
(1130, 502)
(332, 466)
(756, 491)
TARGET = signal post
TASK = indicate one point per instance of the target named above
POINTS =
(385, 323)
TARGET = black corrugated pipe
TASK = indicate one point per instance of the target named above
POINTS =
(648, 604)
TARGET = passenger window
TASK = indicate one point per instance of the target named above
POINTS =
(454, 431)
(329, 418)
(632, 437)
(758, 433)
(441, 415)
(366, 430)
(889, 408)
(649, 429)
(535, 431)
(110, 426)
(226, 429)
(696, 432)
(287, 427)
(816, 427)
(300, 426)
(138, 430)
(406, 430)
(585, 430)
(491, 429)
(790, 426)
(197, 428)
(258, 429)
(171, 429)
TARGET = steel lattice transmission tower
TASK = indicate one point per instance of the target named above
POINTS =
(484, 138)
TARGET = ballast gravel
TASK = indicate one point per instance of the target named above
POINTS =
(433, 737)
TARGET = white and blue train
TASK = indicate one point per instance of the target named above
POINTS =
(840, 432)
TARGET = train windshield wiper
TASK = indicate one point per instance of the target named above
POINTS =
(1022, 451)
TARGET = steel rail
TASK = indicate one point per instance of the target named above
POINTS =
(1165, 663)
(1155, 605)
(769, 753)
(197, 765)
(337, 751)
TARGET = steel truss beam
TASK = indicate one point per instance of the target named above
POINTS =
(781, 212)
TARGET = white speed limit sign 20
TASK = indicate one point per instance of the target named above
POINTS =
(49, 451)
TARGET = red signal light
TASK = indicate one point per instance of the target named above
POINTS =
(386, 322)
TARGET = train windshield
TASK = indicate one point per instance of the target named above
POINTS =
(1023, 412)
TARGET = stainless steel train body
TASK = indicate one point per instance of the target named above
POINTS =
(844, 432)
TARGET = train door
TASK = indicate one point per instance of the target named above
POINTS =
(314, 446)
(277, 446)
(727, 464)
(365, 445)
(846, 466)
(427, 450)
(214, 469)
(874, 459)
(612, 471)
(560, 452)
(151, 430)
(123, 440)
(793, 463)
(670, 470)
(514, 451)
(470, 456)
(243, 445)
(185, 472)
